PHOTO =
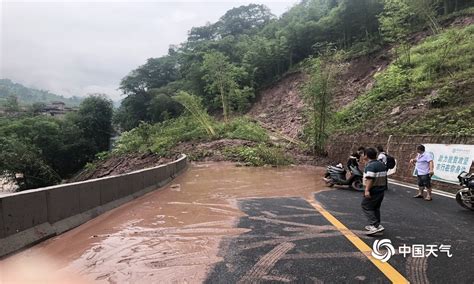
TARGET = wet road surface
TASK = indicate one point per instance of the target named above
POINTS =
(218, 223)
(412, 221)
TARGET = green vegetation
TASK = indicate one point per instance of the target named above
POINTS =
(221, 77)
(318, 93)
(197, 126)
(28, 96)
(194, 106)
(160, 138)
(222, 64)
(259, 155)
(177, 99)
(40, 151)
(439, 78)
(225, 62)
(248, 48)
(244, 128)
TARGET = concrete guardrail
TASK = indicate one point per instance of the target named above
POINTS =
(31, 216)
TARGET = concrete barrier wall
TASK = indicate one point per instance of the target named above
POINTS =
(31, 216)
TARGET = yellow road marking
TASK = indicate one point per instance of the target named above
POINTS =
(391, 273)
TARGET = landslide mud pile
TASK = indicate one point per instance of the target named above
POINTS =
(117, 165)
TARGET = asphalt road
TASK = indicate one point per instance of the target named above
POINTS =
(291, 241)
(217, 223)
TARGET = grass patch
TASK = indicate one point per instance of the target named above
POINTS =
(453, 121)
(440, 73)
(160, 138)
(259, 155)
(243, 128)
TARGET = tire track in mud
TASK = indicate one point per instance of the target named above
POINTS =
(298, 224)
(292, 239)
(416, 268)
(279, 278)
(321, 255)
(266, 263)
(278, 226)
(153, 250)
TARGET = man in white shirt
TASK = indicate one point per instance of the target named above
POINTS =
(424, 167)
(381, 157)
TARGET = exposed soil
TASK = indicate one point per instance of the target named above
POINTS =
(359, 76)
(280, 107)
(116, 165)
(460, 22)
(214, 151)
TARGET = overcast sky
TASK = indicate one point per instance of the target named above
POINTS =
(78, 47)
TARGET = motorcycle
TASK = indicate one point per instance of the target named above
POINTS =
(336, 175)
(465, 196)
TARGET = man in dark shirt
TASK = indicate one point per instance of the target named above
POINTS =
(375, 182)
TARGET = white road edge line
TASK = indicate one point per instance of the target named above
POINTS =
(435, 191)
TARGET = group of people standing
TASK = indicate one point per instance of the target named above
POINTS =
(376, 183)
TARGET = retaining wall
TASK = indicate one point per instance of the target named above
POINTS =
(402, 148)
(34, 215)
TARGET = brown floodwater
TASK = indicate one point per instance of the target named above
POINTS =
(170, 235)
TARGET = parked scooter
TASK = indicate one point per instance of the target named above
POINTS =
(336, 175)
(465, 196)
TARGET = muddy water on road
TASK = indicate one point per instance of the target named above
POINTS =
(171, 235)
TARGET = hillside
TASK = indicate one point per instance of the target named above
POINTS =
(420, 83)
(376, 95)
(28, 96)
(363, 97)
(433, 94)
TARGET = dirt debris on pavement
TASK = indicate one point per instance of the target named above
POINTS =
(169, 235)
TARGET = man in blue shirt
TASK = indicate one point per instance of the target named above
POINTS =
(424, 167)
(375, 182)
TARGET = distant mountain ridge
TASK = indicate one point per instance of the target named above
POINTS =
(28, 96)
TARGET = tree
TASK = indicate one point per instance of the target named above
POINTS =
(221, 77)
(426, 10)
(11, 104)
(37, 108)
(396, 22)
(133, 110)
(155, 73)
(41, 151)
(318, 93)
(244, 19)
(163, 107)
(74, 150)
(95, 119)
(20, 162)
(207, 32)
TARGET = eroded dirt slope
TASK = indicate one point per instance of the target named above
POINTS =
(280, 107)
